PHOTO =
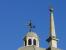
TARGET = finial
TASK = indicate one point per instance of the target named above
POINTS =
(51, 9)
(30, 26)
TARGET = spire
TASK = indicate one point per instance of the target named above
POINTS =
(52, 40)
(52, 26)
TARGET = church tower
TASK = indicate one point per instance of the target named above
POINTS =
(31, 39)
(52, 39)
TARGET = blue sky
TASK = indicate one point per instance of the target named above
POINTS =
(15, 14)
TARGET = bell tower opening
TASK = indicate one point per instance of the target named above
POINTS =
(29, 42)
(34, 42)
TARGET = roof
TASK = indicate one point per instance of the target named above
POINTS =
(31, 48)
(31, 34)
(52, 48)
(37, 48)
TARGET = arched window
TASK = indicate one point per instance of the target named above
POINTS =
(34, 42)
(29, 42)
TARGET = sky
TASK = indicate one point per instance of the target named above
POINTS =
(15, 15)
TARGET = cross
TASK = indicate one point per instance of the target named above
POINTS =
(30, 26)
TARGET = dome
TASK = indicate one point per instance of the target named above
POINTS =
(31, 34)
